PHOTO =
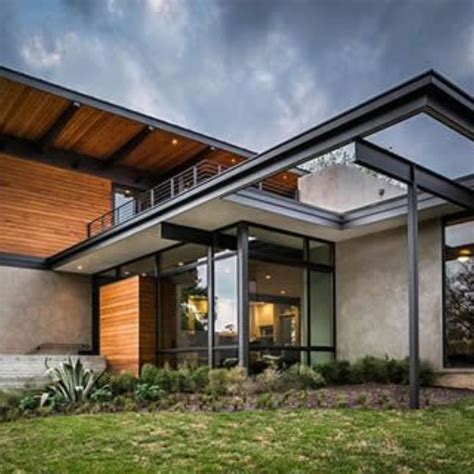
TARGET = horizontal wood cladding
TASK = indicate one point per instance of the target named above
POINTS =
(44, 209)
(128, 323)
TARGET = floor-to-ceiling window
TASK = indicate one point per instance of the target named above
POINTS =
(289, 293)
(184, 308)
(459, 292)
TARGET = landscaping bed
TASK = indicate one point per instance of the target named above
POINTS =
(370, 383)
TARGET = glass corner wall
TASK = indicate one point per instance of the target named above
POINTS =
(280, 313)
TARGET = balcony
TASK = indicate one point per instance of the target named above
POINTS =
(172, 187)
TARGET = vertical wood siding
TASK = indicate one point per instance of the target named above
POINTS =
(128, 323)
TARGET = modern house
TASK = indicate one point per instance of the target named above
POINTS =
(131, 238)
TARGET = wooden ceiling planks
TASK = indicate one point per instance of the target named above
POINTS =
(162, 151)
(26, 112)
(96, 133)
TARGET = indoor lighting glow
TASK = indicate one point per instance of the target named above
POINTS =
(174, 141)
(233, 160)
(283, 292)
(126, 273)
(180, 264)
(80, 267)
(464, 255)
(267, 277)
(285, 176)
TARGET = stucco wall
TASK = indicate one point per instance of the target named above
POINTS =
(341, 188)
(38, 307)
(372, 294)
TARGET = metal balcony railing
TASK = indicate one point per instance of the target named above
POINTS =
(169, 189)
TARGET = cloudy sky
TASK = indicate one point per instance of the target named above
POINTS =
(252, 72)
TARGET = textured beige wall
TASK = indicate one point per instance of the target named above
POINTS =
(372, 294)
(38, 307)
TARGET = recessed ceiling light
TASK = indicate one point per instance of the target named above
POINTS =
(80, 267)
(233, 160)
(180, 264)
(174, 141)
(143, 274)
(285, 176)
(126, 272)
(267, 277)
(464, 255)
(283, 292)
(127, 192)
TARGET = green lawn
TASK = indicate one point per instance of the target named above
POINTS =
(272, 441)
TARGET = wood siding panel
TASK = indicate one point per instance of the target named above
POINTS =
(128, 323)
(44, 209)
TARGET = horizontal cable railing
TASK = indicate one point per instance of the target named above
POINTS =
(169, 189)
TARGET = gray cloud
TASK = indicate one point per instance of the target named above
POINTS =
(253, 72)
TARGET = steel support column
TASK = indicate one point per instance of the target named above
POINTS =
(243, 293)
(210, 305)
(412, 234)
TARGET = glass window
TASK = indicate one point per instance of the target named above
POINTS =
(143, 267)
(321, 309)
(225, 325)
(123, 201)
(184, 309)
(320, 252)
(276, 304)
(191, 358)
(271, 243)
(459, 293)
(226, 358)
(182, 255)
(317, 357)
(281, 358)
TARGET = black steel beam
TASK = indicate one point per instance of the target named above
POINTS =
(211, 304)
(58, 126)
(128, 147)
(192, 235)
(388, 163)
(22, 261)
(28, 150)
(243, 293)
(413, 289)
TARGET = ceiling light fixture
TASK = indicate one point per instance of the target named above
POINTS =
(283, 292)
(464, 255)
(267, 277)
(174, 141)
(180, 264)
(80, 267)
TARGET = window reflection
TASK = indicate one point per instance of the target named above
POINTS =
(459, 293)
(184, 321)
(225, 326)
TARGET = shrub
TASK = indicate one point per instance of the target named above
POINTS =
(148, 374)
(28, 402)
(302, 377)
(370, 369)
(201, 378)
(102, 394)
(270, 380)
(361, 399)
(71, 383)
(147, 392)
(122, 383)
(218, 382)
(335, 372)
(239, 382)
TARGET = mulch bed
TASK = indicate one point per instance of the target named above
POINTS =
(372, 396)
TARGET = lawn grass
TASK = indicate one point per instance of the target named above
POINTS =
(279, 441)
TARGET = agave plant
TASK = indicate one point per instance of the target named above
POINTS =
(71, 383)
